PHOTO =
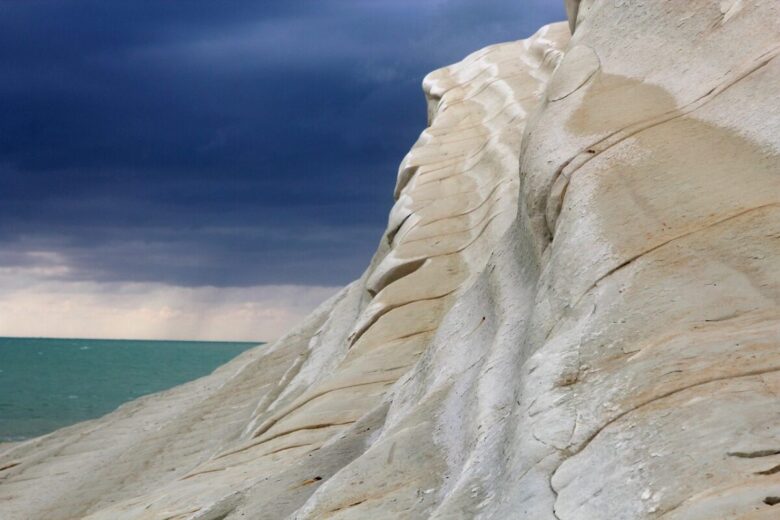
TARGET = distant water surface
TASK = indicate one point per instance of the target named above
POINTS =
(46, 384)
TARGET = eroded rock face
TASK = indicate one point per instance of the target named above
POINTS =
(596, 337)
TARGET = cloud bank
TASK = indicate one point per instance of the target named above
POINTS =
(33, 304)
(233, 145)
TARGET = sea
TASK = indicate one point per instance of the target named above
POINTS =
(46, 384)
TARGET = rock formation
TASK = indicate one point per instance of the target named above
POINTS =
(573, 314)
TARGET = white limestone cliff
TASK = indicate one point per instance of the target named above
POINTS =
(573, 314)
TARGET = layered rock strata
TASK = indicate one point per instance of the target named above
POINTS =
(573, 314)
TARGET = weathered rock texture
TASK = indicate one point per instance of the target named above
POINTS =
(573, 314)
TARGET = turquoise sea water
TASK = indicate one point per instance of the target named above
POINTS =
(46, 384)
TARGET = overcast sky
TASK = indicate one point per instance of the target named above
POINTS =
(164, 163)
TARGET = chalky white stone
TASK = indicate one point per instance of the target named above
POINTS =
(573, 314)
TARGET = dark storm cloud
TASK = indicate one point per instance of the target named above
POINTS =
(219, 143)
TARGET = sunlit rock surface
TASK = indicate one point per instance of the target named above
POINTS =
(573, 314)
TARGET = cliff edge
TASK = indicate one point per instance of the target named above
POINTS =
(573, 313)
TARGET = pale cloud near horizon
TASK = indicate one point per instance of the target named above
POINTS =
(37, 302)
